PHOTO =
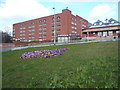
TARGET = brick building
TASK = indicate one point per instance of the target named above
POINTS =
(42, 29)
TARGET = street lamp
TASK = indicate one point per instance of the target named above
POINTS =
(54, 28)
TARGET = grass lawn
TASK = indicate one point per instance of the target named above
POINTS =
(83, 65)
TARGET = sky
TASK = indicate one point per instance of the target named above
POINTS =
(14, 11)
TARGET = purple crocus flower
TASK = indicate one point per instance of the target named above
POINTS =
(43, 53)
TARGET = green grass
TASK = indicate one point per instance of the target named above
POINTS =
(83, 65)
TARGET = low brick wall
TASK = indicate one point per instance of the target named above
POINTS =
(7, 45)
(25, 43)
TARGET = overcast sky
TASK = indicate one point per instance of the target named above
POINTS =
(14, 11)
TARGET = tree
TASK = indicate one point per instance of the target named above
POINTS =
(6, 38)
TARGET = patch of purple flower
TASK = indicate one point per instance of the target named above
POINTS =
(43, 53)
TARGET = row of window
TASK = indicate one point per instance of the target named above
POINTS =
(31, 33)
(73, 23)
(83, 25)
(44, 20)
(58, 30)
(22, 27)
(82, 21)
(44, 32)
(42, 24)
(44, 28)
(31, 37)
(22, 34)
(42, 36)
(74, 27)
(22, 38)
(31, 26)
(74, 32)
(56, 22)
(31, 30)
(57, 26)
(58, 17)
(73, 19)
(22, 31)
(55, 35)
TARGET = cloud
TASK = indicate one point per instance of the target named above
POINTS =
(13, 11)
(102, 12)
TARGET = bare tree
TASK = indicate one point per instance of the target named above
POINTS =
(8, 30)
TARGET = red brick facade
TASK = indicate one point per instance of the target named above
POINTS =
(42, 29)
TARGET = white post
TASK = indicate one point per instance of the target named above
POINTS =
(88, 36)
(54, 28)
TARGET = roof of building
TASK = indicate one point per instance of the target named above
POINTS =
(110, 22)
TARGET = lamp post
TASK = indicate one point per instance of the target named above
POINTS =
(54, 28)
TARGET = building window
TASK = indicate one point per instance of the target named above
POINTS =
(44, 39)
(31, 33)
(73, 23)
(40, 21)
(40, 36)
(83, 25)
(22, 31)
(44, 20)
(74, 32)
(40, 33)
(40, 28)
(22, 27)
(44, 36)
(58, 21)
(44, 28)
(93, 32)
(73, 19)
(58, 26)
(52, 31)
(52, 35)
(117, 31)
(58, 30)
(74, 27)
(22, 34)
(110, 32)
(52, 18)
(31, 29)
(105, 33)
(44, 32)
(58, 17)
(31, 26)
(25, 40)
(40, 24)
(32, 23)
(44, 23)
(113, 22)
(40, 39)
(22, 38)
(31, 37)
(99, 33)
